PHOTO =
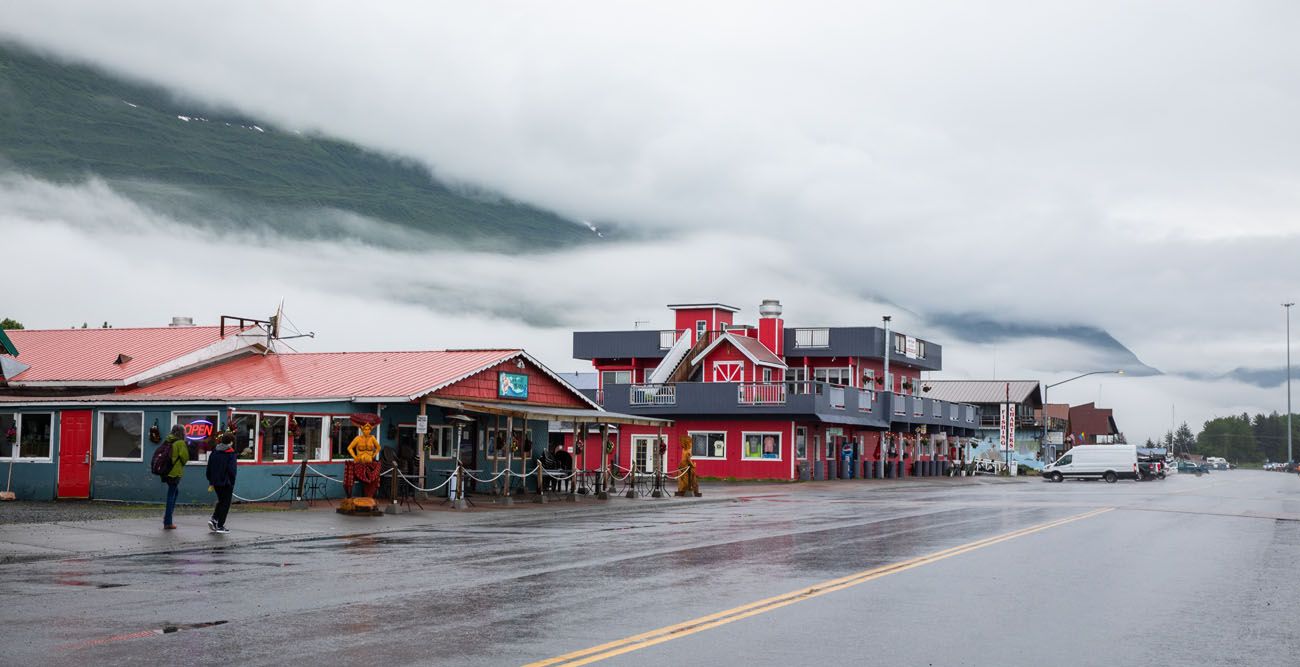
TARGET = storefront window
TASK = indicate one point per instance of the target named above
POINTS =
(245, 425)
(342, 434)
(200, 429)
(762, 446)
(35, 431)
(310, 441)
(121, 436)
(441, 442)
(709, 445)
(274, 437)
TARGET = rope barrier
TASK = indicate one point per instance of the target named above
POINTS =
(417, 488)
(332, 479)
(272, 494)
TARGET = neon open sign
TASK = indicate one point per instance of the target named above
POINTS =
(199, 429)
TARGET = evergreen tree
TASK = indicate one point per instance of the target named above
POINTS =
(1183, 440)
(1229, 437)
(1150, 444)
(8, 323)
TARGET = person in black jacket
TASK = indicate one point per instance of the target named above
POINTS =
(221, 475)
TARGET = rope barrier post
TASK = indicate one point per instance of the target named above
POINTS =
(505, 498)
(572, 483)
(602, 492)
(298, 502)
(419, 446)
(541, 493)
(658, 491)
(394, 507)
(458, 503)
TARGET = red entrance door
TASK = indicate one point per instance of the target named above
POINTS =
(74, 454)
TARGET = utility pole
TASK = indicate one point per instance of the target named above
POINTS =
(1289, 456)
(889, 390)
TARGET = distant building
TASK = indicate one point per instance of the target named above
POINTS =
(763, 400)
(1025, 398)
(1091, 425)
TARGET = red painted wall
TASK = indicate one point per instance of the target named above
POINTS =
(542, 390)
(728, 352)
(686, 319)
(734, 465)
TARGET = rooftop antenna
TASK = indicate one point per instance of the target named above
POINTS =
(636, 324)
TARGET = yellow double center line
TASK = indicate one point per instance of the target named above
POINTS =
(685, 628)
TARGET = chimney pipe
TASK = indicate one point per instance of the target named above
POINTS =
(182, 322)
(770, 308)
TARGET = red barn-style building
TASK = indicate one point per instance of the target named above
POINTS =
(766, 401)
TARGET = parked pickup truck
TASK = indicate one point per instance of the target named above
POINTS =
(1151, 463)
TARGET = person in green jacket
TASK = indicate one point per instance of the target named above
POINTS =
(180, 456)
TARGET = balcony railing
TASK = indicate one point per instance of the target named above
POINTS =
(864, 400)
(835, 396)
(652, 394)
(760, 393)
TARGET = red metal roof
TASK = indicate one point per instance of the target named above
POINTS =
(88, 355)
(328, 375)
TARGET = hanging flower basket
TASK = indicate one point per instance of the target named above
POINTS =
(11, 434)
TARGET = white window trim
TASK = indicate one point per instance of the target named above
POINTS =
(325, 443)
(428, 439)
(650, 469)
(692, 434)
(343, 456)
(452, 431)
(99, 445)
(288, 447)
(780, 441)
(840, 370)
(18, 439)
(631, 376)
(216, 424)
(257, 433)
(812, 337)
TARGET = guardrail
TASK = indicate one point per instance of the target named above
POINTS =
(760, 393)
(652, 394)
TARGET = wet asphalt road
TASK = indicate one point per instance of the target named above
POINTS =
(1185, 571)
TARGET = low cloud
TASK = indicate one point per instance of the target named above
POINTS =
(87, 252)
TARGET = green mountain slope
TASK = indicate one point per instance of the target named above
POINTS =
(64, 122)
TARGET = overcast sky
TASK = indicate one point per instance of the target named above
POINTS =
(1128, 166)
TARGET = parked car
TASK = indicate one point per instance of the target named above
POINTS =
(1216, 462)
(1151, 463)
(1108, 462)
(1194, 468)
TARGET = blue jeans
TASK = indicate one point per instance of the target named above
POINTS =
(173, 490)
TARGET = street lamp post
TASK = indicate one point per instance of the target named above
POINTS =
(1055, 384)
(1289, 456)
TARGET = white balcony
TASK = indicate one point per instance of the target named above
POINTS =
(652, 394)
(760, 393)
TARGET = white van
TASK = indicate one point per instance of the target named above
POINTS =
(1108, 462)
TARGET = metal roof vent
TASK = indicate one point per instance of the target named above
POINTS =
(770, 308)
(182, 322)
(122, 359)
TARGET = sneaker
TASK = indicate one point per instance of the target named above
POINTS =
(169, 526)
(212, 525)
(222, 529)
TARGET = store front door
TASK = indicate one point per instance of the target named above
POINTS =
(74, 454)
